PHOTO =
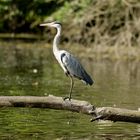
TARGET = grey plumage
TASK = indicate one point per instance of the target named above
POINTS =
(74, 68)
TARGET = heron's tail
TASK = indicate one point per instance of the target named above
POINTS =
(87, 79)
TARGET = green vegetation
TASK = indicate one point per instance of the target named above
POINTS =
(94, 23)
(24, 16)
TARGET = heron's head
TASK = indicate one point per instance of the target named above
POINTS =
(54, 24)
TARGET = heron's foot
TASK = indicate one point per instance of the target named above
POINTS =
(65, 98)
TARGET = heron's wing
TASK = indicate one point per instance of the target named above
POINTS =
(74, 68)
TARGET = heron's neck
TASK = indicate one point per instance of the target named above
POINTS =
(56, 41)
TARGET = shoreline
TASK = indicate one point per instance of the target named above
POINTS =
(93, 52)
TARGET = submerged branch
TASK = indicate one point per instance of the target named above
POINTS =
(53, 102)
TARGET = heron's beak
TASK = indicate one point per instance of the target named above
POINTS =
(45, 24)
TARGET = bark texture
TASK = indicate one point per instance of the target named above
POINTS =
(53, 102)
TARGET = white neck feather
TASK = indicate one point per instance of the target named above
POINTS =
(56, 40)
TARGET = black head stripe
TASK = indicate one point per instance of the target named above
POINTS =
(57, 22)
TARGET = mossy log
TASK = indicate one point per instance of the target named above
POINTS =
(53, 102)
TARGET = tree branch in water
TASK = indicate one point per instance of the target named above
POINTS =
(53, 102)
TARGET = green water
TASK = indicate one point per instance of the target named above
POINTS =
(32, 70)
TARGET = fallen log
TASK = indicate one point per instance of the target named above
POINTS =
(53, 102)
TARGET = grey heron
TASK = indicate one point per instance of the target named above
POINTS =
(70, 65)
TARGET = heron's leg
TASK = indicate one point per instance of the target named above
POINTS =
(71, 87)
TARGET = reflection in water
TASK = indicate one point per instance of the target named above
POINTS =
(116, 83)
(18, 69)
(32, 70)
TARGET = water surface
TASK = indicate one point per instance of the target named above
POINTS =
(29, 69)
